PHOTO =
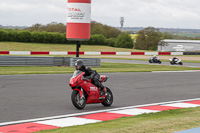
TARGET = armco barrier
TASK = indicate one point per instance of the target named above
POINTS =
(90, 53)
(61, 61)
(91, 62)
(46, 61)
(25, 61)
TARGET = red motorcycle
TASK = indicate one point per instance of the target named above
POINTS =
(84, 92)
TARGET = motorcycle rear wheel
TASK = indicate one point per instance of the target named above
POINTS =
(109, 98)
(77, 101)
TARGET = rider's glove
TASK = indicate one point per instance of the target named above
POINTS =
(92, 75)
(88, 77)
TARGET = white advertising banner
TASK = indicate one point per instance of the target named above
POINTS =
(78, 12)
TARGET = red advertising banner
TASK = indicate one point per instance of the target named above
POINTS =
(78, 20)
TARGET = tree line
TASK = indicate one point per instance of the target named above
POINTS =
(150, 38)
(147, 39)
(55, 33)
(96, 28)
(41, 34)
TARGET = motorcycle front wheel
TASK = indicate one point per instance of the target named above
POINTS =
(78, 102)
(109, 98)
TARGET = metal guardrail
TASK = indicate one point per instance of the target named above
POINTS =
(46, 61)
(91, 62)
(61, 61)
(25, 61)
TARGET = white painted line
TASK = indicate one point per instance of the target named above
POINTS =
(91, 112)
(20, 52)
(70, 121)
(182, 105)
(134, 111)
(58, 53)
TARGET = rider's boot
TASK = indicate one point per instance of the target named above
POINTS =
(103, 91)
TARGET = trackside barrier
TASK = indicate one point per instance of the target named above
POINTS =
(123, 53)
(61, 61)
(91, 62)
(164, 53)
(25, 61)
(137, 53)
(46, 61)
(93, 53)
(191, 53)
(151, 53)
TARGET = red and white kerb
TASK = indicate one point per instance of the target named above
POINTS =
(78, 20)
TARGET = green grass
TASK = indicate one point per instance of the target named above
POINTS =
(16, 46)
(161, 122)
(189, 34)
(105, 67)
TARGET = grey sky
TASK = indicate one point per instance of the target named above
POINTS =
(137, 13)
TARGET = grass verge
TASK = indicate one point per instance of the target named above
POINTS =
(17, 46)
(161, 122)
(105, 68)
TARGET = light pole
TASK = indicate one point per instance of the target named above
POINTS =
(121, 22)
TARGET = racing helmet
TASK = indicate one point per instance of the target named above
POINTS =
(78, 64)
(154, 55)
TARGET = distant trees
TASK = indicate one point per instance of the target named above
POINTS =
(96, 28)
(148, 39)
(36, 37)
(124, 40)
(23, 36)
(55, 33)
(51, 27)
(97, 39)
(166, 35)
(106, 31)
(3, 35)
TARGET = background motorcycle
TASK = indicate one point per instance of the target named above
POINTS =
(84, 92)
(177, 61)
(157, 60)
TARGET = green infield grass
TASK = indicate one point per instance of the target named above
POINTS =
(17, 46)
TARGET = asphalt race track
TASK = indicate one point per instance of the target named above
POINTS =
(147, 62)
(25, 97)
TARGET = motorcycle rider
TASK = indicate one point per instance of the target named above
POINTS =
(155, 57)
(174, 59)
(89, 73)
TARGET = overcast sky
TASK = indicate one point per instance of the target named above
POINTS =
(137, 13)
